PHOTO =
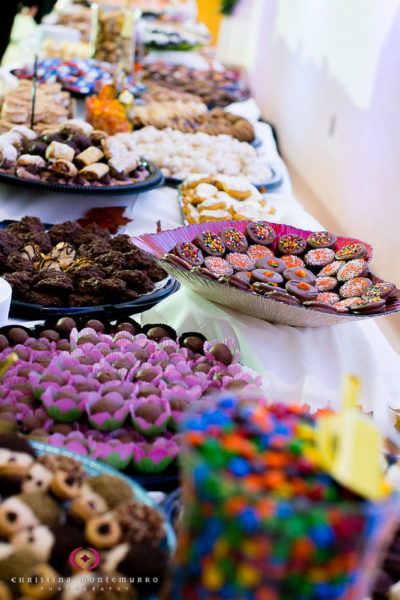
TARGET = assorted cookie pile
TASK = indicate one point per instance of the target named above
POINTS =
(187, 117)
(114, 392)
(313, 272)
(52, 516)
(72, 265)
(52, 107)
(72, 154)
(221, 198)
(164, 35)
(180, 155)
(215, 88)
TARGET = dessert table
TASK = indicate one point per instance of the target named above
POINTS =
(298, 364)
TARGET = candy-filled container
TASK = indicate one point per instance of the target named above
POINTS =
(272, 512)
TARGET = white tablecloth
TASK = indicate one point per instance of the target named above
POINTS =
(297, 363)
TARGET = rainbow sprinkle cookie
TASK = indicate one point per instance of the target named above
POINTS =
(382, 289)
(370, 306)
(291, 244)
(260, 232)
(351, 251)
(189, 253)
(210, 243)
(322, 239)
(234, 240)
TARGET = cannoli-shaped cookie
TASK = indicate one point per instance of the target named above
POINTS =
(98, 135)
(77, 126)
(56, 151)
(89, 156)
(8, 152)
(27, 133)
(95, 171)
(12, 137)
(31, 160)
(125, 163)
(64, 167)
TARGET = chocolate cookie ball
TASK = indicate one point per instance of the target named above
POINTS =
(222, 353)
(16, 335)
(50, 335)
(149, 412)
(158, 333)
(96, 325)
(194, 343)
(65, 325)
(3, 342)
(105, 405)
(129, 327)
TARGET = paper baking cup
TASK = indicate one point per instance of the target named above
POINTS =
(248, 302)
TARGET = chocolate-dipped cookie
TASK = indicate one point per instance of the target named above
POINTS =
(321, 306)
(351, 251)
(322, 239)
(302, 290)
(240, 262)
(328, 297)
(256, 251)
(332, 269)
(218, 265)
(382, 289)
(353, 268)
(344, 305)
(271, 264)
(299, 275)
(243, 276)
(263, 276)
(368, 307)
(319, 257)
(291, 261)
(281, 295)
(355, 287)
(210, 243)
(260, 232)
(234, 240)
(326, 284)
(291, 244)
(189, 253)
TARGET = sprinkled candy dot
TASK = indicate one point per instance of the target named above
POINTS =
(217, 265)
(257, 251)
(240, 262)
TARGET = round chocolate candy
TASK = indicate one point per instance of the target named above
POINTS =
(222, 353)
(382, 289)
(193, 342)
(127, 326)
(295, 274)
(319, 257)
(149, 412)
(302, 290)
(353, 268)
(271, 263)
(368, 307)
(291, 243)
(210, 243)
(263, 276)
(189, 253)
(355, 287)
(3, 342)
(17, 335)
(260, 232)
(158, 333)
(317, 305)
(351, 251)
(65, 325)
(146, 375)
(322, 239)
(96, 325)
(233, 239)
(50, 334)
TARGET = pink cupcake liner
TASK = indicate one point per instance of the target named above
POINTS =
(105, 421)
(156, 458)
(62, 409)
(142, 425)
(113, 453)
(187, 396)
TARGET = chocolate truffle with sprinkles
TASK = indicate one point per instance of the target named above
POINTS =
(210, 243)
(322, 239)
(234, 240)
(291, 244)
(189, 253)
(260, 232)
(351, 251)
